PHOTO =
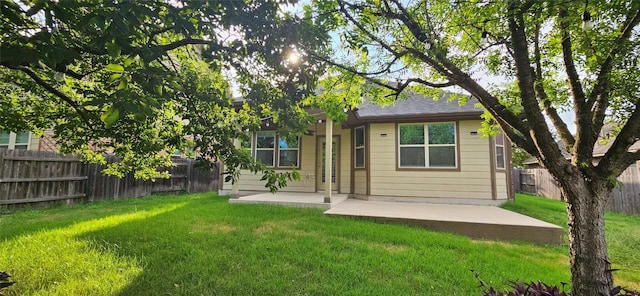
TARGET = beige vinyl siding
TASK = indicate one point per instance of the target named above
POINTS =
(501, 185)
(308, 165)
(251, 182)
(472, 181)
(360, 182)
(34, 142)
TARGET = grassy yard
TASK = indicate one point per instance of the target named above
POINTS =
(202, 245)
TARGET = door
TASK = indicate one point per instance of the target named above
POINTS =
(321, 170)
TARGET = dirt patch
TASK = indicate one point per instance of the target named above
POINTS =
(391, 248)
(213, 228)
(273, 226)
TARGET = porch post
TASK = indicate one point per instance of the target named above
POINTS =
(327, 160)
(235, 188)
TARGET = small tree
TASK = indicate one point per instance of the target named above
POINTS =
(551, 62)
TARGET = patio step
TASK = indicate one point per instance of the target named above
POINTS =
(484, 222)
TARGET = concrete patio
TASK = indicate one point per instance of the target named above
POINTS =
(476, 221)
(290, 199)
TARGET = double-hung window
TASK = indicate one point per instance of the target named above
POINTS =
(266, 147)
(285, 154)
(18, 141)
(428, 145)
(359, 141)
(500, 155)
(288, 152)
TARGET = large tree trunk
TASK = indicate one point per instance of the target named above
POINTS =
(590, 265)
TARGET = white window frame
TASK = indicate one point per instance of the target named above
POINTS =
(276, 150)
(504, 152)
(12, 141)
(357, 147)
(426, 146)
(296, 149)
(273, 149)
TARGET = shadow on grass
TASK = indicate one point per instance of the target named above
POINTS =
(26, 221)
(196, 249)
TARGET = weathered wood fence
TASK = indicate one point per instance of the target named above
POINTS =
(625, 198)
(28, 177)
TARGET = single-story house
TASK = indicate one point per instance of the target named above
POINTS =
(416, 150)
(602, 145)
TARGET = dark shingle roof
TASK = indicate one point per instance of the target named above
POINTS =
(417, 105)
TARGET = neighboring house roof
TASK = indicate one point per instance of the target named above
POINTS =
(605, 140)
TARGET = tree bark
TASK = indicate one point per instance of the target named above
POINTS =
(590, 265)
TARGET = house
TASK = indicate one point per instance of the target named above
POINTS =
(416, 150)
(602, 145)
(28, 141)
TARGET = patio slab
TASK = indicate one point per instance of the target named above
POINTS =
(486, 222)
(291, 199)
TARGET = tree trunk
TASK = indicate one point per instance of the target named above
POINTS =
(590, 265)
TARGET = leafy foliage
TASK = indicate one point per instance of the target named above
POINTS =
(4, 281)
(142, 79)
(538, 288)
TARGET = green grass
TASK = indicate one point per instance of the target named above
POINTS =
(202, 245)
(622, 232)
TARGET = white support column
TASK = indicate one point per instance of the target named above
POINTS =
(328, 153)
(235, 188)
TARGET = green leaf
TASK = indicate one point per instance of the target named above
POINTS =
(123, 84)
(158, 89)
(115, 68)
(129, 60)
(111, 116)
(113, 49)
(114, 77)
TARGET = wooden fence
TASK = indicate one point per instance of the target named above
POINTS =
(28, 177)
(625, 198)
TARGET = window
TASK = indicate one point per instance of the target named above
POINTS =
(359, 143)
(266, 147)
(16, 141)
(430, 145)
(286, 151)
(500, 157)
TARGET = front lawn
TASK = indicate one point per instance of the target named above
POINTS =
(200, 244)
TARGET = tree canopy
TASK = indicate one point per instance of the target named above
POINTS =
(549, 62)
(142, 79)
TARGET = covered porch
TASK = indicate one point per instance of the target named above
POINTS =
(475, 221)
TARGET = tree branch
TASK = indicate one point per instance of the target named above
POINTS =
(560, 125)
(73, 104)
(444, 66)
(552, 157)
(584, 138)
(599, 96)
(616, 159)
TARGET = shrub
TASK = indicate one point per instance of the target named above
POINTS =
(521, 288)
(4, 281)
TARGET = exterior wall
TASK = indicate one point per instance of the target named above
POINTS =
(308, 165)
(501, 185)
(360, 182)
(471, 181)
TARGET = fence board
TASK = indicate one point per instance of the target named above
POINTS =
(37, 177)
(625, 198)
